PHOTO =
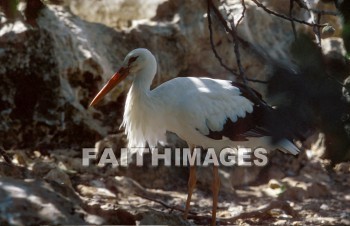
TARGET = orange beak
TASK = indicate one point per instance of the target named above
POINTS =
(115, 80)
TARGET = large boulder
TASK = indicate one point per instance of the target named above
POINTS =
(48, 73)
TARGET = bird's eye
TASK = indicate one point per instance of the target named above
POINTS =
(132, 59)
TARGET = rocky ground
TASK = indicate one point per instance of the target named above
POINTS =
(54, 188)
(52, 67)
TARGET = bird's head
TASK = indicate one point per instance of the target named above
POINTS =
(135, 61)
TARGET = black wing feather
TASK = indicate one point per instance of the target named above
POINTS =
(249, 126)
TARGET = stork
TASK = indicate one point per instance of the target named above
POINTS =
(204, 112)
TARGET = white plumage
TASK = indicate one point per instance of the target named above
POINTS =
(187, 106)
(196, 109)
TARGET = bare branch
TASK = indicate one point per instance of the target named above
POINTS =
(5, 156)
(264, 210)
(318, 30)
(236, 40)
(324, 12)
(164, 204)
(213, 45)
(234, 36)
(243, 12)
(291, 6)
(285, 17)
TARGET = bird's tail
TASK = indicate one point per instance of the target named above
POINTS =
(287, 147)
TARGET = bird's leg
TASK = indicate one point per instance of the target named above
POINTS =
(191, 184)
(215, 189)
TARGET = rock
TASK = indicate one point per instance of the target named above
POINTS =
(302, 188)
(152, 217)
(39, 76)
(205, 179)
(114, 141)
(40, 168)
(46, 204)
(9, 170)
(294, 193)
(342, 171)
(153, 176)
(317, 170)
(328, 31)
(257, 25)
(275, 188)
(332, 20)
(59, 177)
(274, 184)
(342, 168)
(241, 176)
(89, 191)
(333, 48)
(324, 207)
(346, 95)
(19, 158)
(287, 165)
(335, 57)
(316, 145)
(33, 202)
(274, 172)
(115, 13)
(125, 185)
(318, 190)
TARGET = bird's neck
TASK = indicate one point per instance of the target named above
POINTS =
(143, 78)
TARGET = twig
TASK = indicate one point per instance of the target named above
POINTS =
(314, 28)
(291, 6)
(304, 4)
(341, 84)
(243, 12)
(318, 30)
(233, 35)
(285, 17)
(213, 45)
(324, 12)
(192, 215)
(257, 81)
(5, 156)
(164, 204)
(232, 31)
(263, 210)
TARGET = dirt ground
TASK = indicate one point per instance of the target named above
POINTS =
(53, 187)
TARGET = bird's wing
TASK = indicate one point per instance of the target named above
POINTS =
(217, 109)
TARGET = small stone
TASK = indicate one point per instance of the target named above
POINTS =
(328, 31)
(19, 158)
(41, 168)
(317, 190)
(58, 176)
(343, 167)
(324, 207)
(89, 191)
(274, 184)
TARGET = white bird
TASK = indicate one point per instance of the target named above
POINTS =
(202, 111)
